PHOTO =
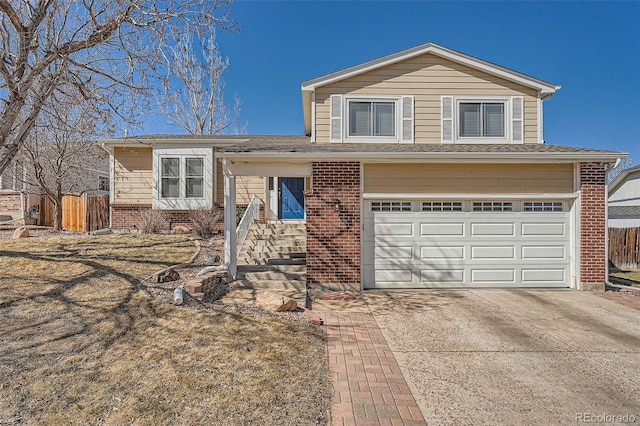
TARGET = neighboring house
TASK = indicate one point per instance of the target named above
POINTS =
(624, 199)
(14, 197)
(172, 173)
(425, 168)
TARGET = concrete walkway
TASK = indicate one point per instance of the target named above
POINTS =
(369, 388)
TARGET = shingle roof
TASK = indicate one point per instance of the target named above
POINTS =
(301, 146)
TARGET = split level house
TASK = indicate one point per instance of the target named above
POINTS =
(425, 168)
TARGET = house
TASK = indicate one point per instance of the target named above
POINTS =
(624, 199)
(15, 200)
(425, 168)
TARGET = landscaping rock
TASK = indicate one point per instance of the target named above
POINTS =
(22, 232)
(181, 230)
(212, 257)
(166, 276)
(275, 302)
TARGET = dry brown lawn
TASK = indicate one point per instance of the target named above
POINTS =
(81, 344)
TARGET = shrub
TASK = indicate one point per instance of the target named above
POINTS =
(204, 221)
(239, 213)
(152, 221)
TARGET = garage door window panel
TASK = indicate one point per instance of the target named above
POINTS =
(391, 206)
(492, 206)
(441, 206)
(543, 206)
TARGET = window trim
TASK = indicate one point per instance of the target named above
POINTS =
(514, 128)
(505, 101)
(182, 202)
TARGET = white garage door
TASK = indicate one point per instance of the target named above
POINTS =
(457, 244)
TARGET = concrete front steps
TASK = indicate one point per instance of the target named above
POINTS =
(273, 259)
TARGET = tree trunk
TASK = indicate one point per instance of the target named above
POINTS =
(57, 214)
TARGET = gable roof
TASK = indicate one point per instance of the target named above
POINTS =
(622, 178)
(545, 88)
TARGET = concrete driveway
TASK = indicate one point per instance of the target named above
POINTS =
(514, 357)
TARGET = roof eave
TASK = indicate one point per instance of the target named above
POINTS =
(150, 142)
(469, 157)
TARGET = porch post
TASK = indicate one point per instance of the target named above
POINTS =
(229, 220)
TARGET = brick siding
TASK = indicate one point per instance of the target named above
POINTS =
(592, 226)
(127, 216)
(333, 237)
(10, 202)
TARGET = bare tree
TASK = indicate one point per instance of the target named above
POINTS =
(102, 50)
(61, 156)
(193, 95)
(624, 164)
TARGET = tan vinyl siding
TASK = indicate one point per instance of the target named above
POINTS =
(427, 77)
(133, 175)
(246, 187)
(468, 178)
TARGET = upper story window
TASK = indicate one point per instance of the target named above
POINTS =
(372, 118)
(103, 183)
(482, 120)
(13, 178)
(386, 119)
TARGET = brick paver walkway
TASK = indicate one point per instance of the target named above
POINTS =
(369, 386)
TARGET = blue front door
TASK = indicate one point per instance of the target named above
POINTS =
(291, 198)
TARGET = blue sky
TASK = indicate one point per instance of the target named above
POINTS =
(591, 49)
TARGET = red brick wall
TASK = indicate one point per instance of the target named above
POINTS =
(127, 216)
(592, 226)
(10, 203)
(333, 238)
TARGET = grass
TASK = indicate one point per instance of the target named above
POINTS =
(632, 274)
(81, 344)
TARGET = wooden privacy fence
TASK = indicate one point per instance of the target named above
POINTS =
(624, 244)
(80, 213)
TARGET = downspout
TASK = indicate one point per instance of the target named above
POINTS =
(313, 116)
(112, 182)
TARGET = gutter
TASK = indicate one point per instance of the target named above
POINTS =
(493, 157)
